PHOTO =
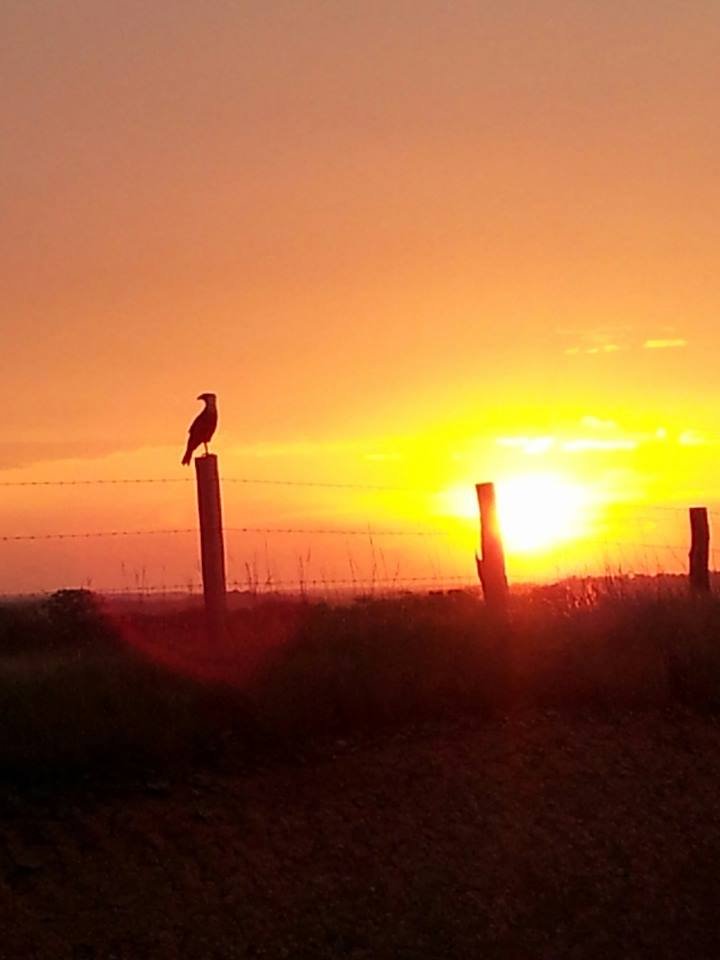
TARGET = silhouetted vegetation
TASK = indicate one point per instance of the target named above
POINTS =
(81, 684)
(68, 620)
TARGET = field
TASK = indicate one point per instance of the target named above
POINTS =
(402, 777)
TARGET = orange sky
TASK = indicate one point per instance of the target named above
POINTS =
(410, 243)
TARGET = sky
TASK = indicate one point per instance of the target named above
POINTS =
(418, 244)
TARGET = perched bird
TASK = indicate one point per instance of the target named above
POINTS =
(202, 427)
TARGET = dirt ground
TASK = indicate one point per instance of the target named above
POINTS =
(530, 837)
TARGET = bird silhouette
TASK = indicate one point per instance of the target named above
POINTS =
(202, 428)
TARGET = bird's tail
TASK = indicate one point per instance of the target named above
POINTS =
(188, 456)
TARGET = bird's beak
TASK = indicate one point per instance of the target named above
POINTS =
(200, 397)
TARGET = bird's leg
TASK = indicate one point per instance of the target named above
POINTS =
(206, 449)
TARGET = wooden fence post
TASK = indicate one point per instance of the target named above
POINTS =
(212, 549)
(699, 550)
(491, 563)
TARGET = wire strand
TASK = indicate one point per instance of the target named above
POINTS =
(367, 532)
(87, 535)
(88, 483)
(241, 480)
(271, 584)
(91, 534)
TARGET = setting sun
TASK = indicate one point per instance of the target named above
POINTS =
(537, 511)
(406, 253)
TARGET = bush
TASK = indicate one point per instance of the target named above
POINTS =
(68, 620)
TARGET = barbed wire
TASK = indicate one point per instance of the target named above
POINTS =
(87, 535)
(641, 512)
(102, 481)
(137, 590)
(629, 544)
(88, 483)
(621, 505)
(332, 486)
(264, 584)
(312, 531)
(649, 518)
(191, 588)
(92, 534)
(242, 480)
(366, 532)
(268, 585)
(348, 581)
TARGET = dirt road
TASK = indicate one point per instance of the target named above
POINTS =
(524, 838)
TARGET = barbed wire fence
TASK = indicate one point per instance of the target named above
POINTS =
(639, 554)
(253, 580)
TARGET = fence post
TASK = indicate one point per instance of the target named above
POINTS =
(491, 563)
(212, 549)
(699, 550)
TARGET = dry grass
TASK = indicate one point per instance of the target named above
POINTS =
(78, 687)
(459, 787)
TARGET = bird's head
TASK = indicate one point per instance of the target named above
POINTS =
(207, 397)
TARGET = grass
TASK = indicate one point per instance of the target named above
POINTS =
(460, 786)
(82, 687)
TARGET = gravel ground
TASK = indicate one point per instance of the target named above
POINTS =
(530, 837)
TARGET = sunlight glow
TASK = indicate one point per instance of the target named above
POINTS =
(537, 511)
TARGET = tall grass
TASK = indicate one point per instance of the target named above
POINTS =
(80, 686)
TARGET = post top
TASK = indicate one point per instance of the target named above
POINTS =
(208, 463)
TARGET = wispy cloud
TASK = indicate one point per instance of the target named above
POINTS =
(544, 444)
(610, 339)
(598, 435)
(18, 454)
(601, 342)
(597, 423)
(263, 451)
(530, 445)
(668, 344)
(602, 348)
(583, 444)
(691, 438)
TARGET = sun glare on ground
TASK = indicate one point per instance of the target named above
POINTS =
(537, 511)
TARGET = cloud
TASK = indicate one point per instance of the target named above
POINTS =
(300, 448)
(610, 339)
(691, 438)
(585, 444)
(24, 453)
(670, 344)
(543, 444)
(531, 445)
(602, 348)
(597, 423)
(596, 344)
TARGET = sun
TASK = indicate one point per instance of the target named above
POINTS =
(537, 511)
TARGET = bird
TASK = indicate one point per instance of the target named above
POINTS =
(202, 428)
